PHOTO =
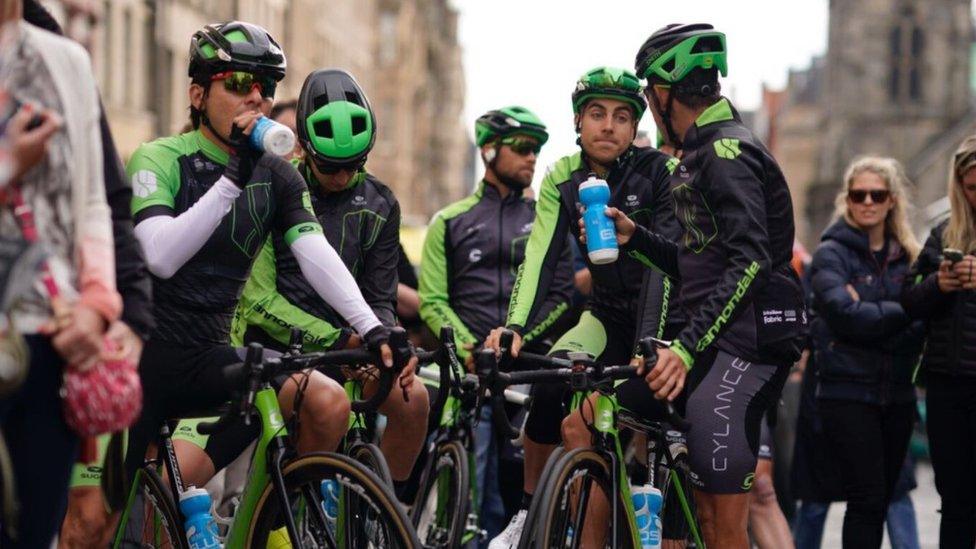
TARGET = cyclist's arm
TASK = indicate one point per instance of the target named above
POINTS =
(543, 254)
(655, 251)
(435, 301)
(318, 260)
(262, 306)
(735, 193)
(379, 278)
(557, 299)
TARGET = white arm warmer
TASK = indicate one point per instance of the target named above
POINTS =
(325, 271)
(169, 242)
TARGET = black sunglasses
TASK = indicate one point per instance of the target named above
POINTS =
(328, 168)
(860, 196)
(522, 146)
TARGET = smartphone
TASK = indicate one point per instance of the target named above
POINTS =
(12, 106)
(952, 255)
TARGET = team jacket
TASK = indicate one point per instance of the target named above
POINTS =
(638, 187)
(738, 291)
(195, 306)
(471, 257)
(362, 223)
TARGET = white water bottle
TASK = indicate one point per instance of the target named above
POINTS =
(647, 508)
(272, 137)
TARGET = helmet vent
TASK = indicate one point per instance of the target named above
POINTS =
(323, 128)
(668, 66)
(319, 101)
(353, 97)
(358, 124)
(707, 44)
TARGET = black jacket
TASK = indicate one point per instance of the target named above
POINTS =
(738, 290)
(951, 318)
(866, 350)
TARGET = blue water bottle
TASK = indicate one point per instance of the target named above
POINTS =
(647, 508)
(330, 501)
(201, 530)
(273, 137)
(601, 235)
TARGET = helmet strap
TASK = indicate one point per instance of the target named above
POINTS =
(666, 116)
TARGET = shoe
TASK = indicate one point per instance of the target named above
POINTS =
(509, 538)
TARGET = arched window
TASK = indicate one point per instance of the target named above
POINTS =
(906, 43)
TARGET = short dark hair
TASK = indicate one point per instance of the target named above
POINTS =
(699, 89)
(282, 106)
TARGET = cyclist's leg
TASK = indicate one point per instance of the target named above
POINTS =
(406, 427)
(323, 415)
(726, 409)
(86, 522)
(766, 521)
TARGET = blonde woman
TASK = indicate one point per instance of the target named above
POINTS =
(864, 342)
(940, 291)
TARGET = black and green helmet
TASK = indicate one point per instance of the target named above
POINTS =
(672, 52)
(336, 125)
(611, 83)
(509, 121)
(235, 46)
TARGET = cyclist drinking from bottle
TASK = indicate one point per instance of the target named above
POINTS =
(204, 203)
(607, 106)
(361, 219)
(743, 302)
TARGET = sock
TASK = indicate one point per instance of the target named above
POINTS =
(526, 501)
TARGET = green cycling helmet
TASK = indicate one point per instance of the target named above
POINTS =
(509, 121)
(672, 52)
(336, 125)
(235, 46)
(611, 83)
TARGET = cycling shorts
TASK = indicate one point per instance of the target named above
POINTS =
(726, 410)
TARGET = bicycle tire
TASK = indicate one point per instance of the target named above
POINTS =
(149, 499)
(370, 455)
(556, 505)
(446, 475)
(527, 540)
(303, 477)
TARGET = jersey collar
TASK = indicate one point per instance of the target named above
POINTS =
(707, 123)
(210, 149)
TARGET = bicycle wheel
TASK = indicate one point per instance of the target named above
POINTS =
(370, 456)
(150, 519)
(576, 478)
(440, 512)
(527, 540)
(369, 515)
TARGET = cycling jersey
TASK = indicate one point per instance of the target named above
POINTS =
(737, 288)
(169, 175)
(471, 257)
(362, 223)
(638, 187)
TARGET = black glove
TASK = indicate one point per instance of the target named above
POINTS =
(396, 338)
(376, 337)
(243, 158)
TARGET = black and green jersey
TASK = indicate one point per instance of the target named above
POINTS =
(169, 175)
(362, 223)
(639, 188)
(737, 287)
(471, 257)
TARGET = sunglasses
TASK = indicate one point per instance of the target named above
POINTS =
(242, 83)
(332, 169)
(859, 196)
(522, 146)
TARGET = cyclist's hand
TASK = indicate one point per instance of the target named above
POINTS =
(354, 342)
(494, 339)
(408, 372)
(469, 359)
(639, 362)
(948, 279)
(128, 344)
(667, 379)
(966, 272)
(386, 355)
(625, 225)
(241, 163)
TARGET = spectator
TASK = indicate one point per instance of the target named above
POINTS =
(864, 343)
(939, 290)
(60, 177)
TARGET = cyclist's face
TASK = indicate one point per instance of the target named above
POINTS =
(607, 126)
(332, 182)
(516, 166)
(968, 183)
(869, 214)
(223, 105)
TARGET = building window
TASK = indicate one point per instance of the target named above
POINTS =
(907, 43)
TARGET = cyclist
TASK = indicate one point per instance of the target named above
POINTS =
(203, 204)
(361, 219)
(607, 106)
(743, 300)
(471, 255)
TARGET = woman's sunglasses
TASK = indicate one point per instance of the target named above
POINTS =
(242, 83)
(860, 196)
(522, 146)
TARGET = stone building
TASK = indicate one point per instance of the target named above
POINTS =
(405, 53)
(895, 81)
